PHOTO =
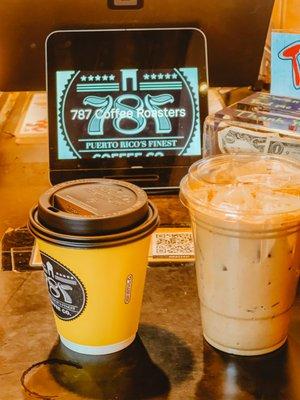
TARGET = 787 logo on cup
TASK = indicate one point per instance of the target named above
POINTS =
(67, 293)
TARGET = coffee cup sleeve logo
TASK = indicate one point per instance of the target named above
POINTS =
(67, 293)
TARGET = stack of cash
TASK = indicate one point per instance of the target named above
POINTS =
(261, 123)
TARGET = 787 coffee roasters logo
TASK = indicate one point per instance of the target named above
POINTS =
(67, 293)
(128, 113)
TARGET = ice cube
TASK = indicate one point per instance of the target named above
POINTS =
(274, 202)
(235, 198)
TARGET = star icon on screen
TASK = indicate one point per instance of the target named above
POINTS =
(146, 77)
(160, 76)
(83, 78)
(111, 77)
(153, 76)
(174, 76)
(97, 78)
(105, 77)
(167, 76)
(90, 78)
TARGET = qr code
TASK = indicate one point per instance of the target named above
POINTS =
(173, 245)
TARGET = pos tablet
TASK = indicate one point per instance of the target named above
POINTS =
(126, 104)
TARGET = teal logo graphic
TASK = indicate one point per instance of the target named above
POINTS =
(128, 113)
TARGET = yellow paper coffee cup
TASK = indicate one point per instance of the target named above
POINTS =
(94, 238)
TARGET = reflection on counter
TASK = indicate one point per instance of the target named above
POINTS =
(271, 377)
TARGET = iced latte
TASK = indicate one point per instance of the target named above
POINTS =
(245, 213)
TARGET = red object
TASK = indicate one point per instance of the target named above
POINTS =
(292, 53)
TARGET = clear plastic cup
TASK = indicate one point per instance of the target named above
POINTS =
(245, 213)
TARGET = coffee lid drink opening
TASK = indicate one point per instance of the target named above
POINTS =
(91, 212)
(89, 207)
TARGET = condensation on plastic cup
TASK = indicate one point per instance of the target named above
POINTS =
(245, 213)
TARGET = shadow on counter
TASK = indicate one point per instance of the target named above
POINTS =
(134, 373)
(273, 376)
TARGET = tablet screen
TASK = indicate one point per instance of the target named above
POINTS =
(127, 103)
(128, 113)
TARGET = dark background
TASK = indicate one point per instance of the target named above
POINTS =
(235, 30)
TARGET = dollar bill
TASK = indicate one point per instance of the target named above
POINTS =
(241, 140)
(285, 147)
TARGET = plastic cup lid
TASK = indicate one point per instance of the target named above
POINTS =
(251, 187)
(92, 207)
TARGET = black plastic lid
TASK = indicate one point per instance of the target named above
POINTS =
(92, 207)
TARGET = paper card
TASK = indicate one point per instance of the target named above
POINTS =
(35, 122)
(285, 64)
(35, 259)
(172, 245)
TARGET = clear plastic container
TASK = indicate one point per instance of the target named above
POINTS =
(260, 123)
(245, 212)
